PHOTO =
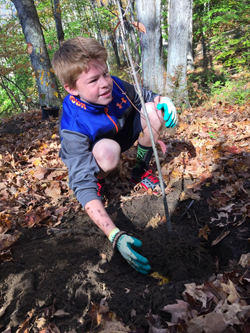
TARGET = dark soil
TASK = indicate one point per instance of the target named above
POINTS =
(73, 264)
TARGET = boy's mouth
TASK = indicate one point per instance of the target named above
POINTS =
(105, 94)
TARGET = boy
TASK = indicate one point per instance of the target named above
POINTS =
(99, 121)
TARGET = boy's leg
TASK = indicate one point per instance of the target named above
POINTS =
(145, 150)
(107, 155)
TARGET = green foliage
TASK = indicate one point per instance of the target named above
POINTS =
(201, 82)
(218, 87)
(15, 68)
(6, 105)
(233, 48)
(236, 91)
(225, 25)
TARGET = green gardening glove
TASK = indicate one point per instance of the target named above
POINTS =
(170, 113)
(123, 243)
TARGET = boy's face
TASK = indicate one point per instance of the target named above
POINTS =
(95, 85)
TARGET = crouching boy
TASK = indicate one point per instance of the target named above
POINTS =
(100, 120)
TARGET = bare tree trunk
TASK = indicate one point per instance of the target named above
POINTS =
(190, 57)
(131, 31)
(46, 81)
(176, 83)
(149, 14)
(112, 38)
(99, 34)
(58, 21)
(204, 52)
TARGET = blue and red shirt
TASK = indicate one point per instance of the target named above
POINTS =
(82, 124)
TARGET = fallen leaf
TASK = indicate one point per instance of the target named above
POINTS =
(5, 256)
(40, 324)
(155, 324)
(210, 323)
(179, 311)
(162, 279)
(154, 222)
(61, 313)
(244, 260)
(39, 172)
(203, 232)
(229, 288)
(233, 313)
(114, 327)
(23, 328)
(31, 218)
(37, 162)
(54, 191)
(6, 240)
(163, 146)
(5, 222)
(196, 292)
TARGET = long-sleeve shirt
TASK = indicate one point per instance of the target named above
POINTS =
(82, 124)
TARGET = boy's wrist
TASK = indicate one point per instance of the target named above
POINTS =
(113, 233)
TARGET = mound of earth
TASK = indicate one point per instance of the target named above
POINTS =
(72, 265)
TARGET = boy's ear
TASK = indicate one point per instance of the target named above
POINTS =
(70, 90)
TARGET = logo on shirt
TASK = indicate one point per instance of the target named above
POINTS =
(77, 102)
(123, 100)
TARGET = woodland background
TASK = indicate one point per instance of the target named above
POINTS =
(169, 37)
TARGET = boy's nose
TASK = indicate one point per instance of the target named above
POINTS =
(103, 82)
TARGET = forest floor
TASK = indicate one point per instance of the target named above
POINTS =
(58, 272)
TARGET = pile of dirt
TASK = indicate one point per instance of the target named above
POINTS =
(73, 265)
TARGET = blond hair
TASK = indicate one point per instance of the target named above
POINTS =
(74, 56)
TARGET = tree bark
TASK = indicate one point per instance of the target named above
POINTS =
(149, 14)
(132, 34)
(176, 83)
(58, 21)
(190, 57)
(204, 52)
(97, 23)
(112, 38)
(46, 81)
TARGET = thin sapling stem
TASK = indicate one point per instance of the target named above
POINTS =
(169, 226)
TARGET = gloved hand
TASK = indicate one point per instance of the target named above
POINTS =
(170, 113)
(123, 243)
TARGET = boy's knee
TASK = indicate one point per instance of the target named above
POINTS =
(150, 106)
(107, 154)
